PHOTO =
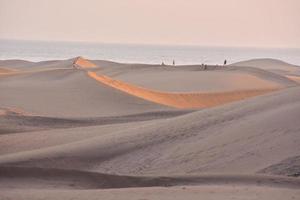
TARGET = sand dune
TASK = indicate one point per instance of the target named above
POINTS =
(34, 183)
(80, 129)
(23, 65)
(260, 82)
(82, 63)
(158, 193)
(183, 81)
(180, 100)
(196, 78)
(68, 93)
(16, 121)
(192, 143)
(267, 64)
(66, 179)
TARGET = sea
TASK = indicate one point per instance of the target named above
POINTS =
(139, 53)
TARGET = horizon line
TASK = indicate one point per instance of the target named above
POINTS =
(148, 44)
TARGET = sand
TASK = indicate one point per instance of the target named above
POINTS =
(181, 100)
(294, 78)
(80, 129)
(5, 71)
(82, 63)
(269, 64)
(155, 193)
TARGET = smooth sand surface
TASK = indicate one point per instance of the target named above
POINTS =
(193, 81)
(181, 100)
(174, 193)
(221, 140)
(190, 86)
(158, 193)
(80, 129)
(5, 71)
(67, 93)
(269, 64)
(294, 78)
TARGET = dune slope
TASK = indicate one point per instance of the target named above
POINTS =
(68, 93)
(76, 129)
(219, 140)
(180, 100)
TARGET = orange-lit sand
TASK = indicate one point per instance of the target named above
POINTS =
(181, 100)
(294, 78)
(5, 71)
(13, 111)
(82, 63)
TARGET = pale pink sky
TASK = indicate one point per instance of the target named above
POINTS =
(269, 23)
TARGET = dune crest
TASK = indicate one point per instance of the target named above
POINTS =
(177, 100)
(180, 100)
(82, 63)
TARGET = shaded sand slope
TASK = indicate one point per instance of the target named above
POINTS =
(14, 122)
(157, 193)
(284, 69)
(266, 75)
(15, 64)
(35, 183)
(21, 141)
(23, 65)
(268, 64)
(244, 137)
(67, 93)
(62, 179)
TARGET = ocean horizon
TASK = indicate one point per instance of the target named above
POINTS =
(140, 53)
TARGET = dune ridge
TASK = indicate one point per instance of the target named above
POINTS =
(82, 63)
(180, 100)
(46, 178)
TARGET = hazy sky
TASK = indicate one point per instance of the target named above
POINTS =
(199, 22)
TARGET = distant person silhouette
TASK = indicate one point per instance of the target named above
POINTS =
(174, 62)
(225, 62)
